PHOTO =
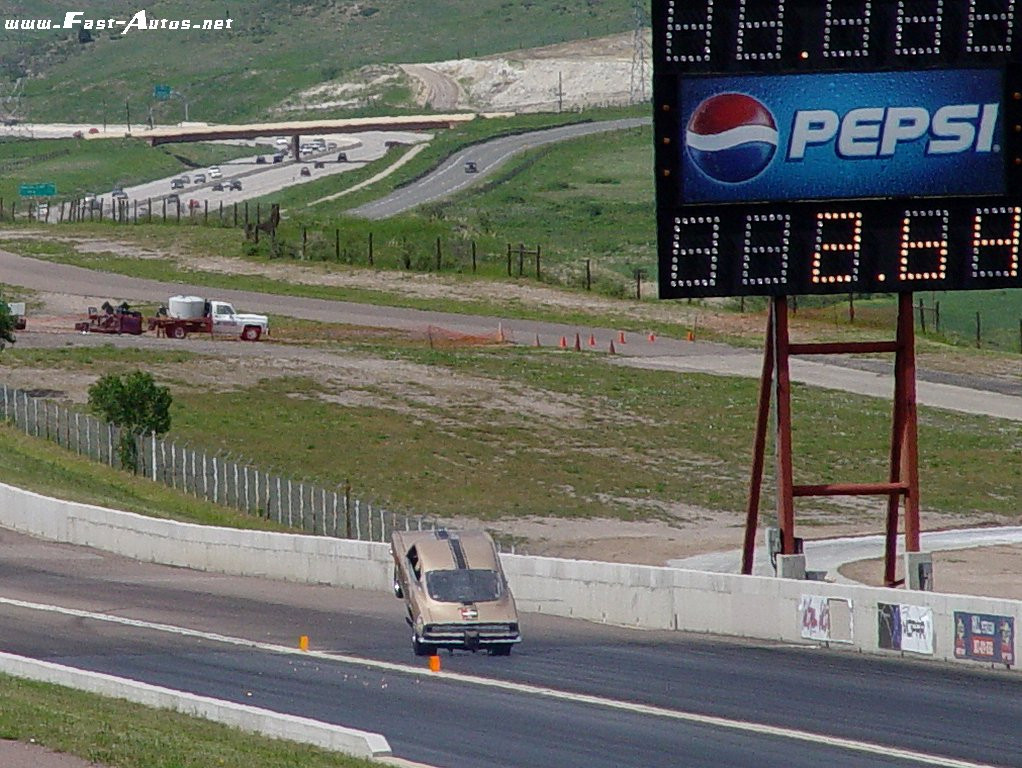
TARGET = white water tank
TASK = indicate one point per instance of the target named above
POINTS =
(187, 307)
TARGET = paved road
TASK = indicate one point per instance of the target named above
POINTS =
(828, 555)
(574, 694)
(964, 394)
(258, 180)
(488, 156)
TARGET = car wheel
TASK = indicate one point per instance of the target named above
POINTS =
(502, 649)
(421, 648)
(178, 331)
(252, 333)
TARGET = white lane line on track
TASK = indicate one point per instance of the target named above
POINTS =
(524, 688)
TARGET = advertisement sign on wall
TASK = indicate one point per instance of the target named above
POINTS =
(905, 628)
(984, 637)
(827, 619)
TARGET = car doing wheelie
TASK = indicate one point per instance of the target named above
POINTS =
(455, 591)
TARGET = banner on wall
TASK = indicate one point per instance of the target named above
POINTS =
(905, 628)
(828, 619)
(985, 637)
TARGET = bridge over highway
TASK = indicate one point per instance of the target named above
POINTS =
(295, 129)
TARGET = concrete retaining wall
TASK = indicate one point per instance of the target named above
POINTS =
(628, 595)
(250, 719)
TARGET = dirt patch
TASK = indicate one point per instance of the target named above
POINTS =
(985, 571)
(15, 754)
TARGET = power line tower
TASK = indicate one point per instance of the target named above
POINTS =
(11, 107)
(638, 86)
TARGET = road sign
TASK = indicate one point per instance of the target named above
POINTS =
(37, 190)
(161, 92)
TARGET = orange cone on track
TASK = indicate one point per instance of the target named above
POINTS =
(578, 343)
(612, 351)
(592, 340)
(690, 336)
(434, 663)
(621, 337)
(564, 343)
(652, 337)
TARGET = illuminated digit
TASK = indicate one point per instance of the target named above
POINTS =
(760, 29)
(845, 36)
(923, 233)
(768, 239)
(1003, 245)
(845, 252)
(694, 263)
(989, 31)
(919, 27)
(689, 30)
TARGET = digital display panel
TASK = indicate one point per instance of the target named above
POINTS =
(835, 146)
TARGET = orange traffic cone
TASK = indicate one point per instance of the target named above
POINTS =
(592, 340)
(690, 336)
(652, 337)
(578, 343)
(612, 351)
(564, 343)
(621, 337)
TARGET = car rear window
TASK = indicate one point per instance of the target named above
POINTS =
(465, 585)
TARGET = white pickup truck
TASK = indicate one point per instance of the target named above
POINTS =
(193, 314)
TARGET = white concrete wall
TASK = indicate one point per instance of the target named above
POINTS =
(251, 719)
(628, 595)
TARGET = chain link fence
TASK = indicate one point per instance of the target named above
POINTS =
(213, 477)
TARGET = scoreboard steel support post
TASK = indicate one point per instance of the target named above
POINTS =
(838, 147)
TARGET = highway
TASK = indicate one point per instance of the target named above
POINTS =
(573, 694)
(257, 179)
(451, 176)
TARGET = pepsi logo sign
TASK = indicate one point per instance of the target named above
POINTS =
(731, 137)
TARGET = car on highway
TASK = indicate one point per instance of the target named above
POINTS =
(119, 194)
(455, 591)
(179, 183)
(261, 160)
(215, 172)
(94, 130)
(342, 157)
(235, 184)
(200, 178)
(319, 164)
(173, 199)
(278, 158)
(220, 186)
(471, 167)
(305, 171)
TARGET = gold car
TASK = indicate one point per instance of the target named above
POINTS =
(455, 591)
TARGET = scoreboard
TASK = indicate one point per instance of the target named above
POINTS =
(836, 146)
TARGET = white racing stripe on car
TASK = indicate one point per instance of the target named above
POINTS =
(761, 729)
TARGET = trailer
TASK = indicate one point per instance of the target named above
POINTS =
(111, 319)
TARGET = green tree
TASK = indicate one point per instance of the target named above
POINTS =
(135, 404)
(7, 321)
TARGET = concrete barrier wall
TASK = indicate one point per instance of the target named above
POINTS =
(251, 719)
(628, 595)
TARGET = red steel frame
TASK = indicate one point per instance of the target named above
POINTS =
(903, 481)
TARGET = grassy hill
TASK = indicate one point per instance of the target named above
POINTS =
(273, 49)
